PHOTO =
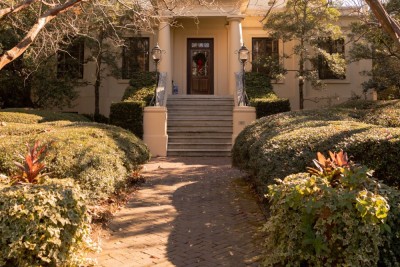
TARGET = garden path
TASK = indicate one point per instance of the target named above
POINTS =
(190, 212)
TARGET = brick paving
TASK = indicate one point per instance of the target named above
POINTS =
(190, 212)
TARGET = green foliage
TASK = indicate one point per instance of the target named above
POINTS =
(30, 116)
(43, 225)
(99, 157)
(262, 97)
(267, 147)
(378, 46)
(141, 87)
(316, 223)
(128, 115)
(269, 106)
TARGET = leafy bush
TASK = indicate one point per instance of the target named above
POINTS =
(141, 87)
(339, 217)
(99, 157)
(128, 115)
(43, 225)
(269, 106)
(262, 97)
(267, 147)
(22, 115)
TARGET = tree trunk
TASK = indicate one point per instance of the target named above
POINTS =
(97, 84)
(20, 48)
(391, 26)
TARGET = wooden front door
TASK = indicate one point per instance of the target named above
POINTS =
(200, 66)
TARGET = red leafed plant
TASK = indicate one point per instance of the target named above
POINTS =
(332, 167)
(30, 169)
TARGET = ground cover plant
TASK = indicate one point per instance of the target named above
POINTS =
(336, 215)
(99, 157)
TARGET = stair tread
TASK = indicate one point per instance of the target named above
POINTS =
(199, 149)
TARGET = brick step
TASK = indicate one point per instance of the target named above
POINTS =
(198, 153)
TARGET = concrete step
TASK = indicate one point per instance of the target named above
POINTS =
(198, 153)
(199, 129)
(191, 102)
(200, 123)
(191, 112)
(203, 145)
(223, 139)
(199, 117)
(210, 97)
(197, 108)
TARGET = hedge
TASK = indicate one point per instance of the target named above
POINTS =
(141, 87)
(128, 115)
(269, 106)
(99, 157)
(21, 115)
(43, 225)
(262, 97)
(279, 145)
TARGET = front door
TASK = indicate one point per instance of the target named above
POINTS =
(200, 66)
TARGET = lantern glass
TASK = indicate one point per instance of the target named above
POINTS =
(156, 53)
(243, 54)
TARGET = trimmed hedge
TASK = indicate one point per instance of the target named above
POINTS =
(262, 97)
(279, 145)
(99, 157)
(141, 87)
(269, 106)
(128, 115)
(43, 225)
(28, 116)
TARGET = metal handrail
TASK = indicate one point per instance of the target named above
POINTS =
(159, 99)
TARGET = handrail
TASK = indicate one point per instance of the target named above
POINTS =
(241, 96)
(161, 96)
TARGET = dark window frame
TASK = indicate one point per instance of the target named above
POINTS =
(257, 55)
(70, 62)
(330, 46)
(131, 54)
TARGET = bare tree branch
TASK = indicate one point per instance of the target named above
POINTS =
(14, 9)
(20, 48)
(391, 26)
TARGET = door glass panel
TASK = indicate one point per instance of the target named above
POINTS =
(199, 63)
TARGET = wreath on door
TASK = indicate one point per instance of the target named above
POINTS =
(200, 60)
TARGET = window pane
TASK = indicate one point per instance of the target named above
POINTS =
(71, 61)
(135, 56)
(330, 46)
(265, 53)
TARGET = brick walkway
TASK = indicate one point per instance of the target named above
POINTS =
(190, 212)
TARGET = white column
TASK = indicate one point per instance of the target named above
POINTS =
(164, 41)
(235, 42)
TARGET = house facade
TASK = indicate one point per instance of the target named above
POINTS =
(217, 34)
(199, 112)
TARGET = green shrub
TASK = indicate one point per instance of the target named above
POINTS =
(267, 148)
(128, 115)
(141, 87)
(269, 106)
(43, 225)
(316, 223)
(21, 115)
(99, 157)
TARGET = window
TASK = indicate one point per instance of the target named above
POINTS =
(71, 61)
(135, 56)
(331, 47)
(263, 51)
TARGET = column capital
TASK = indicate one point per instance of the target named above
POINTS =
(237, 18)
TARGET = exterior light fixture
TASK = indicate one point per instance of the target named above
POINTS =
(156, 53)
(243, 55)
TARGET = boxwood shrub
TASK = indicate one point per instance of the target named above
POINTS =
(269, 106)
(262, 97)
(21, 115)
(128, 115)
(282, 144)
(43, 225)
(141, 87)
(99, 157)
